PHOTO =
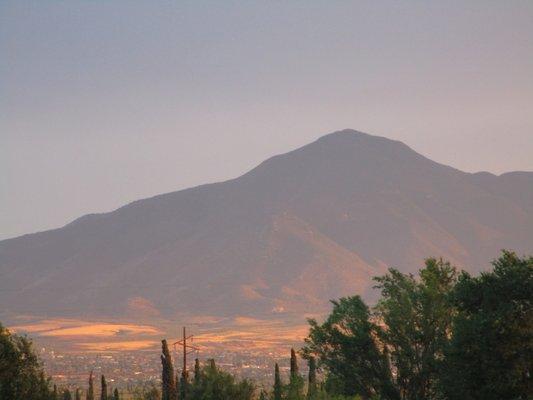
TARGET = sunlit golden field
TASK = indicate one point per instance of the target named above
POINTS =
(210, 334)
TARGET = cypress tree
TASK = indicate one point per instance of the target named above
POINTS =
(90, 391)
(294, 364)
(296, 382)
(54, 393)
(168, 379)
(103, 392)
(116, 395)
(184, 385)
(277, 383)
(78, 394)
(178, 384)
(196, 371)
(312, 387)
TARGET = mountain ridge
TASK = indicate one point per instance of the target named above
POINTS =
(336, 211)
(342, 132)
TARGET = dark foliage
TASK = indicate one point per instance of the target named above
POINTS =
(103, 388)
(312, 382)
(169, 391)
(90, 390)
(211, 383)
(490, 356)
(441, 336)
(278, 386)
(21, 373)
(415, 317)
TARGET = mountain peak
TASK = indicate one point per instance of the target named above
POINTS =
(348, 132)
(350, 140)
(301, 228)
(352, 135)
(347, 144)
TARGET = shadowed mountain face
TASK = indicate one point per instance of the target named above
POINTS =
(300, 229)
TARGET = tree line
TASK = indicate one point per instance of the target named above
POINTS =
(22, 376)
(440, 335)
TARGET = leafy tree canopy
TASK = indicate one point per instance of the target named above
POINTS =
(21, 373)
(490, 355)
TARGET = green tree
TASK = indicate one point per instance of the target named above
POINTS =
(215, 384)
(296, 382)
(490, 355)
(278, 386)
(185, 385)
(21, 372)
(418, 316)
(345, 344)
(90, 391)
(103, 388)
(116, 395)
(311, 381)
(178, 385)
(196, 387)
(294, 364)
(146, 391)
(77, 396)
(196, 371)
(184, 388)
(169, 391)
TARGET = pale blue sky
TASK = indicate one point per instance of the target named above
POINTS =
(105, 102)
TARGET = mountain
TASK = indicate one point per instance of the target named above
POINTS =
(299, 229)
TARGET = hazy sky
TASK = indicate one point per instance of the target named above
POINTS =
(105, 102)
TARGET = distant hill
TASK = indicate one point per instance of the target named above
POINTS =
(299, 229)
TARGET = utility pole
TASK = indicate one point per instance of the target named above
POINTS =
(187, 349)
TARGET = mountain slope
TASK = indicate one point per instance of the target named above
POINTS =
(299, 229)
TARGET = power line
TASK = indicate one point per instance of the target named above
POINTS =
(187, 349)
